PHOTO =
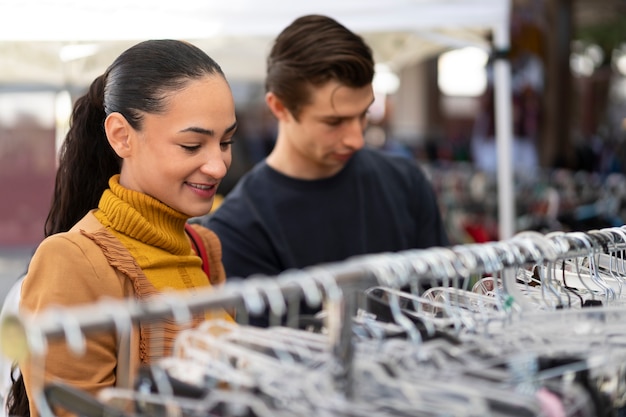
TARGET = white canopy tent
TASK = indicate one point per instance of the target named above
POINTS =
(69, 42)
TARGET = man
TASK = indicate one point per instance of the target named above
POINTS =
(320, 196)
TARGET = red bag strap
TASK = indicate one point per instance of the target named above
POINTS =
(198, 247)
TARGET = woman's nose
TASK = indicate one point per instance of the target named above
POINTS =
(216, 164)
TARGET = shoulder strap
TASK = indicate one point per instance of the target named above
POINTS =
(199, 248)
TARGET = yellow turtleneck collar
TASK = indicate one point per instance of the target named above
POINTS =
(154, 234)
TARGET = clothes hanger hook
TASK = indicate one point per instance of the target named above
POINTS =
(71, 329)
(178, 307)
(252, 300)
(310, 291)
(544, 245)
(275, 298)
(37, 342)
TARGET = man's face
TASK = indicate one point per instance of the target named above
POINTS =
(329, 130)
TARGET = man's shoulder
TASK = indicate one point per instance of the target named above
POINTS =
(236, 204)
(376, 159)
(258, 176)
(380, 156)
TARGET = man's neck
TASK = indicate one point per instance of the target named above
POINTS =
(295, 167)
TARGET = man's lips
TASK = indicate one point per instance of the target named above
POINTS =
(344, 156)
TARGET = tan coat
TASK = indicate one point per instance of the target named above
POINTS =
(92, 265)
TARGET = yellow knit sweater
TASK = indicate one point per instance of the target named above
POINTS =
(154, 234)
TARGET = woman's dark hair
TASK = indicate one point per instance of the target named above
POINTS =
(17, 399)
(311, 51)
(137, 82)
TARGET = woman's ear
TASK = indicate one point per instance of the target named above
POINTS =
(118, 133)
(276, 106)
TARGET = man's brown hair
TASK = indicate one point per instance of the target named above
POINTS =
(312, 51)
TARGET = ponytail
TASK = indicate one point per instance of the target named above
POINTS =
(17, 399)
(86, 162)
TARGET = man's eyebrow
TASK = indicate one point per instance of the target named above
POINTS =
(208, 132)
(337, 117)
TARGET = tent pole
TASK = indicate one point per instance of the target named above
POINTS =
(504, 131)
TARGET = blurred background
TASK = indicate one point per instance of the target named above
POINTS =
(434, 99)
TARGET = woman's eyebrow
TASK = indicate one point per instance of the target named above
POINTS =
(208, 132)
(231, 127)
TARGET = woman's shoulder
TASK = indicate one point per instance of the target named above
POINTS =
(89, 223)
(88, 235)
(213, 248)
(89, 245)
(87, 256)
(205, 232)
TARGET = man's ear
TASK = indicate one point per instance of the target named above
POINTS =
(118, 133)
(276, 106)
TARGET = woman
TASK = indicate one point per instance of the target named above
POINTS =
(147, 148)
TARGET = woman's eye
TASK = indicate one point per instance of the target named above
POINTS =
(190, 148)
(226, 144)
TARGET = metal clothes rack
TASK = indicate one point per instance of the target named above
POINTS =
(336, 284)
